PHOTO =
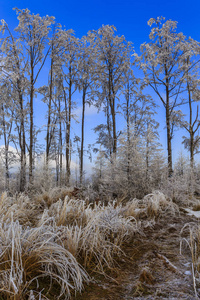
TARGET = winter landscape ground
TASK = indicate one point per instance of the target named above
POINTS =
(55, 245)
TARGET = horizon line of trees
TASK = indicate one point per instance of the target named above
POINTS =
(100, 66)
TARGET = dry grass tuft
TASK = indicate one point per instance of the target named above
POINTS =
(104, 234)
(70, 212)
(157, 204)
(132, 208)
(146, 276)
(29, 256)
(93, 236)
(196, 207)
(20, 207)
(47, 198)
(153, 205)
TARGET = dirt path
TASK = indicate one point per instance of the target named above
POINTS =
(153, 268)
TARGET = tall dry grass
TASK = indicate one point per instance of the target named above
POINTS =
(157, 204)
(30, 256)
(93, 235)
(193, 244)
(104, 235)
(21, 207)
(48, 242)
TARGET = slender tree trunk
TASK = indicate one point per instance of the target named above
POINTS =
(82, 135)
(48, 139)
(108, 127)
(113, 114)
(31, 124)
(57, 167)
(100, 165)
(147, 156)
(191, 132)
(6, 144)
(6, 164)
(168, 124)
(60, 145)
(111, 97)
(169, 142)
(68, 129)
(7, 167)
(128, 138)
(22, 146)
(192, 150)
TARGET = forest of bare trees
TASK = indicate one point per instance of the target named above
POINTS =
(41, 59)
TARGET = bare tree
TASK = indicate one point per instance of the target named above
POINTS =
(112, 52)
(33, 31)
(161, 61)
(68, 53)
(14, 69)
(85, 83)
(192, 84)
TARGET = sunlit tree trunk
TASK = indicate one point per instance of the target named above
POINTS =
(68, 127)
(82, 136)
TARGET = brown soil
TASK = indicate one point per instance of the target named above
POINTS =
(152, 269)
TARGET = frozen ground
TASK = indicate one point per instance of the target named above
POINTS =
(153, 267)
(136, 244)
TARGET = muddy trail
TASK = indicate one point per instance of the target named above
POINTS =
(153, 267)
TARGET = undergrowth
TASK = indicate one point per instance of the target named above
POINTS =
(50, 244)
(193, 244)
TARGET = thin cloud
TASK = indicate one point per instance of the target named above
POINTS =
(89, 111)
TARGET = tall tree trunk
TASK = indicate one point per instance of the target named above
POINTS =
(68, 129)
(147, 155)
(22, 146)
(57, 167)
(169, 142)
(168, 124)
(191, 132)
(128, 138)
(6, 144)
(60, 145)
(31, 124)
(111, 96)
(108, 127)
(192, 150)
(82, 135)
(7, 167)
(48, 139)
(113, 114)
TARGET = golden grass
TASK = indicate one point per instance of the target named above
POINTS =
(26, 256)
(45, 239)
(47, 198)
(193, 243)
(157, 204)
(104, 235)
(70, 212)
(196, 207)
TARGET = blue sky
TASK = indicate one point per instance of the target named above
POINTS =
(130, 18)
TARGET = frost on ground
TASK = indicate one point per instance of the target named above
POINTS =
(55, 245)
(153, 267)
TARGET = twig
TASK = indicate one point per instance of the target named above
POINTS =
(168, 264)
(194, 282)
